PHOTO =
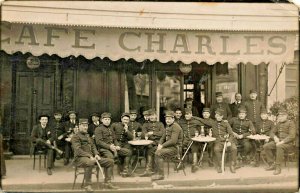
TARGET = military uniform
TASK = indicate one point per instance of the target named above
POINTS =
(39, 137)
(84, 148)
(243, 127)
(286, 132)
(171, 142)
(254, 108)
(134, 125)
(225, 107)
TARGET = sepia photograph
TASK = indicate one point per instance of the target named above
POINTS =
(145, 96)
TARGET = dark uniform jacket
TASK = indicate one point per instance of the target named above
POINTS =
(69, 127)
(91, 129)
(234, 107)
(264, 127)
(220, 130)
(253, 108)
(285, 131)
(157, 128)
(105, 136)
(39, 134)
(242, 126)
(83, 145)
(134, 125)
(172, 137)
(121, 136)
(227, 112)
(179, 121)
(189, 127)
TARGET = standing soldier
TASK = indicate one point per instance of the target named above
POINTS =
(190, 127)
(189, 104)
(283, 134)
(154, 130)
(58, 126)
(169, 145)
(123, 135)
(223, 132)
(95, 123)
(253, 107)
(70, 128)
(145, 117)
(242, 127)
(43, 138)
(178, 115)
(133, 124)
(107, 142)
(86, 155)
(234, 107)
(264, 127)
(221, 105)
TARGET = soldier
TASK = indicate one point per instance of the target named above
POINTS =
(43, 138)
(169, 145)
(242, 127)
(221, 105)
(178, 115)
(264, 128)
(190, 127)
(70, 128)
(253, 107)
(145, 118)
(234, 107)
(58, 126)
(95, 123)
(123, 135)
(86, 154)
(283, 134)
(190, 105)
(133, 124)
(154, 129)
(222, 131)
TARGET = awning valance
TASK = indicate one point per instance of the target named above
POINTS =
(156, 15)
(142, 44)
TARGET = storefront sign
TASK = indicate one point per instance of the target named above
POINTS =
(163, 45)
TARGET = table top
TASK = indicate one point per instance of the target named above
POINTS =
(258, 137)
(203, 139)
(140, 142)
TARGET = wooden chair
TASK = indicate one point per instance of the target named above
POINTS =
(176, 160)
(40, 153)
(81, 170)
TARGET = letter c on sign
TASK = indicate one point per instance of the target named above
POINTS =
(123, 46)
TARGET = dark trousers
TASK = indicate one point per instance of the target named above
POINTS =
(162, 154)
(270, 147)
(218, 149)
(68, 150)
(88, 164)
(49, 153)
(246, 146)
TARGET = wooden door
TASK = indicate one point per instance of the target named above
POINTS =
(34, 96)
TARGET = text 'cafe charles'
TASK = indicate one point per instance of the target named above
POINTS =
(111, 56)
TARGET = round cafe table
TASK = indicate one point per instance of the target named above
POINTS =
(139, 144)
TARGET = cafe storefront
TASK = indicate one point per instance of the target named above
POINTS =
(116, 56)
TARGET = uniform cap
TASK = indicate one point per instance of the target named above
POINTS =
(206, 109)
(219, 94)
(83, 121)
(242, 110)
(105, 115)
(125, 115)
(253, 91)
(282, 111)
(71, 112)
(151, 112)
(133, 111)
(169, 114)
(220, 112)
(187, 110)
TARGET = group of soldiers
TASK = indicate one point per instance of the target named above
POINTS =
(107, 142)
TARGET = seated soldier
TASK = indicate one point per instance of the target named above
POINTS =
(154, 130)
(242, 127)
(43, 138)
(168, 144)
(283, 135)
(190, 127)
(123, 135)
(264, 128)
(222, 131)
(86, 155)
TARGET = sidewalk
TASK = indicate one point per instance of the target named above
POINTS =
(21, 177)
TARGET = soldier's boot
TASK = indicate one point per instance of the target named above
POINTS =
(125, 172)
(232, 167)
(256, 162)
(148, 172)
(271, 166)
(210, 159)
(277, 169)
(160, 167)
(195, 163)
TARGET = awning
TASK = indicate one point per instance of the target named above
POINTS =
(187, 32)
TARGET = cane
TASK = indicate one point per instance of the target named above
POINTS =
(179, 164)
(100, 168)
(223, 154)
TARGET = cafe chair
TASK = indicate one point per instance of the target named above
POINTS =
(41, 154)
(290, 156)
(176, 160)
(81, 170)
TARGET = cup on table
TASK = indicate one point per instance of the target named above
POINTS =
(139, 135)
(196, 133)
(146, 136)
